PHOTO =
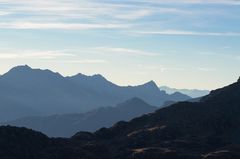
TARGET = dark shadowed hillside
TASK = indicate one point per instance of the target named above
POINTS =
(208, 129)
(35, 92)
(68, 124)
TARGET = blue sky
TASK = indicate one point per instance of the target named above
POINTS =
(179, 43)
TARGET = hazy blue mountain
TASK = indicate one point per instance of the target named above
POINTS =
(68, 124)
(42, 92)
(194, 93)
(10, 109)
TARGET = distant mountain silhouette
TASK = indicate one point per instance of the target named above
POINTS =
(31, 92)
(194, 93)
(208, 129)
(67, 125)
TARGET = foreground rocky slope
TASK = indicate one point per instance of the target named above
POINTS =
(205, 130)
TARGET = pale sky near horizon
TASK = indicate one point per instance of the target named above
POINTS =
(178, 43)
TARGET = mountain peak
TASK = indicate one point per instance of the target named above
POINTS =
(21, 68)
(95, 76)
(238, 80)
(79, 75)
(134, 100)
(150, 84)
(98, 76)
(26, 72)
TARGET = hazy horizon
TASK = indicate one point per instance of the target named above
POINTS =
(191, 44)
(134, 84)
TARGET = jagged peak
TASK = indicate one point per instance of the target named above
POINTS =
(79, 75)
(98, 76)
(27, 70)
(95, 76)
(21, 67)
(238, 80)
(18, 70)
(150, 84)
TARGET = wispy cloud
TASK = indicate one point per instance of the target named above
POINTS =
(33, 54)
(59, 56)
(166, 69)
(67, 26)
(86, 61)
(222, 55)
(127, 15)
(71, 14)
(2, 13)
(222, 2)
(206, 69)
(161, 68)
(124, 51)
(134, 14)
(187, 33)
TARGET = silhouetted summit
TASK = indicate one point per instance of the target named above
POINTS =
(81, 76)
(208, 129)
(21, 68)
(27, 73)
(150, 84)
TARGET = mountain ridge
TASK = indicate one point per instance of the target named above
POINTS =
(46, 92)
(66, 125)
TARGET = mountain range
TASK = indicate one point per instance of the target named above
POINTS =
(34, 92)
(67, 125)
(194, 93)
(208, 129)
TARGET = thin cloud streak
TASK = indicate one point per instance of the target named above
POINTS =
(205, 69)
(2, 13)
(124, 51)
(60, 56)
(220, 2)
(66, 26)
(186, 33)
(34, 55)
(92, 15)
(134, 14)
(86, 61)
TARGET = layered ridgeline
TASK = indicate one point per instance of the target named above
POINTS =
(28, 92)
(67, 125)
(194, 93)
(208, 129)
